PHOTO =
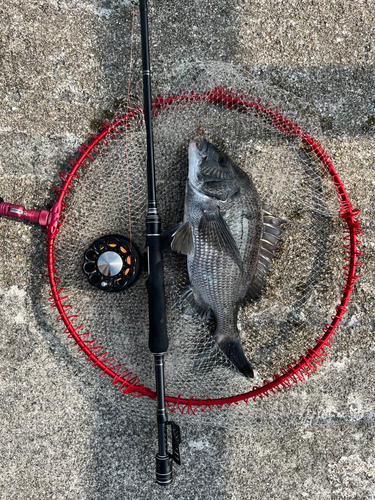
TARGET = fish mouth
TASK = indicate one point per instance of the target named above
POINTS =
(196, 158)
(204, 148)
(195, 161)
(194, 150)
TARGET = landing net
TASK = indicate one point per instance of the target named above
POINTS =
(287, 333)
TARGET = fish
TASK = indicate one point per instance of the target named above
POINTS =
(229, 238)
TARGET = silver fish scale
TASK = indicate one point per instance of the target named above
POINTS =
(215, 277)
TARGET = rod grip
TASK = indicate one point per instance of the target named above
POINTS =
(158, 339)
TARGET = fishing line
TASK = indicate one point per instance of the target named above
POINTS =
(127, 111)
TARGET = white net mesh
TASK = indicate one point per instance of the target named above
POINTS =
(303, 286)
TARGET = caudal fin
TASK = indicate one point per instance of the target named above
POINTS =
(234, 351)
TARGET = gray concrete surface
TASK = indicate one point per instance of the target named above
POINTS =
(64, 432)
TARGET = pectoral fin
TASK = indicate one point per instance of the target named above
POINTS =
(167, 237)
(213, 228)
(182, 239)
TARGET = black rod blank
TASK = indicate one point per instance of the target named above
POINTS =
(158, 339)
(147, 103)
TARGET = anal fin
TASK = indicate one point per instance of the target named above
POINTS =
(188, 299)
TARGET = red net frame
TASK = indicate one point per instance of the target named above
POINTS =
(124, 379)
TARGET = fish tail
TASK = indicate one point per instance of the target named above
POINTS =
(234, 352)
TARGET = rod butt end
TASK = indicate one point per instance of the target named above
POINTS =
(163, 470)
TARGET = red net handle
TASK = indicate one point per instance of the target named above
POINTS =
(124, 379)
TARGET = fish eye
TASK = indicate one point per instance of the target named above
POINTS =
(222, 161)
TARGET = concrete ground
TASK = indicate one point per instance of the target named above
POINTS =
(65, 432)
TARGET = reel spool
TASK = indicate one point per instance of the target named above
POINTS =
(112, 263)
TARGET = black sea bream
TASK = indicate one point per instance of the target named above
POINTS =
(229, 239)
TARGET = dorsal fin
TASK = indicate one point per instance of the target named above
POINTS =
(268, 245)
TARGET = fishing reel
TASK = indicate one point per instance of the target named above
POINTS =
(113, 263)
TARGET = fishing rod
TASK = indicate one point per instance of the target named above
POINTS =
(158, 338)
